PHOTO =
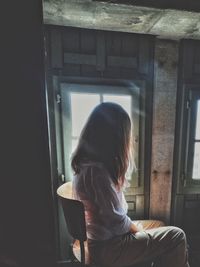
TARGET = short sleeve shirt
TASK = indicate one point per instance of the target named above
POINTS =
(105, 205)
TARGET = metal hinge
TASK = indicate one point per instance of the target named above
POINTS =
(58, 99)
(45, 49)
(62, 178)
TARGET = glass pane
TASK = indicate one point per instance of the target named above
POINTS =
(81, 107)
(123, 100)
(196, 162)
(197, 136)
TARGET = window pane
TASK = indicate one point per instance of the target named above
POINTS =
(198, 121)
(123, 100)
(81, 107)
(196, 162)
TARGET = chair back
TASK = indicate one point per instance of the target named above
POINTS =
(74, 213)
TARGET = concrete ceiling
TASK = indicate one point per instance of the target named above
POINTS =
(189, 5)
(165, 23)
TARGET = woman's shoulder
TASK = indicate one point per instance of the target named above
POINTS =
(94, 172)
(94, 166)
(93, 178)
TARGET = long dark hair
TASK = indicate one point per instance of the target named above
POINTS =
(105, 138)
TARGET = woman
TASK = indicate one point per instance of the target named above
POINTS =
(100, 163)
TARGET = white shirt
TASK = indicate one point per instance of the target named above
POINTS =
(105, 206)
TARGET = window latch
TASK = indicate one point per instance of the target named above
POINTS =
(183, 179)
(62, 178)
(58, 99)
(188, 104)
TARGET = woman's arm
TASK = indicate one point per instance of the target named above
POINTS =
(134, 229)
(96, 187)
(95, 184)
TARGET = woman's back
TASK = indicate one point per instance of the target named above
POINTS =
(105, 205)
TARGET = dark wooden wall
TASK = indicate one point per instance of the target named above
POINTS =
(26, 217)
(189, 70)
(186, 198)
(91, 53)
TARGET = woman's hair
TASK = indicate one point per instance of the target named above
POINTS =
(105, 138)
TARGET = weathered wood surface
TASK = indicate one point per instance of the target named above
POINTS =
(171, 24)
(192, 5)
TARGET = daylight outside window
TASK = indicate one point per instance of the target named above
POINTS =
(78, 101)
(196, 160)
(82, 104)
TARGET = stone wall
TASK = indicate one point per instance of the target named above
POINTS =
(164, 111)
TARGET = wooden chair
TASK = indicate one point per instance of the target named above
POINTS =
(75, 220)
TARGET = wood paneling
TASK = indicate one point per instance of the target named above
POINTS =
(56, 50)
(190, 67)
(90, 52)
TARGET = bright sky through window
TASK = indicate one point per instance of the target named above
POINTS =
(123, 100)
(83, 103)
(196, 162)
(81, 107)
(197, 135)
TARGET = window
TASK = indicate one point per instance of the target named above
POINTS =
(77, 102)
(196, 159)
(71, 100)
(83, 103)
(194, 136)
(189, 141)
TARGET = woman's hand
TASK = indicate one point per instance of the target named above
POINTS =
(136, 227)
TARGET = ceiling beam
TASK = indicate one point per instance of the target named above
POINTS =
(187, 5)
(170, 24)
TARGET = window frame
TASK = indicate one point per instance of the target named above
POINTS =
(194, 96)
(58, 81)
(184, 146)
(56, 146)
(67, 88)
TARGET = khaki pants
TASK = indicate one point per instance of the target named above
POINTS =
(165, 246)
